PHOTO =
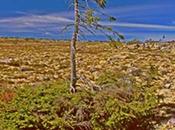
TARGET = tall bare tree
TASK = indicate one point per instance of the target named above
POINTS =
(84, 17)
(73, 47)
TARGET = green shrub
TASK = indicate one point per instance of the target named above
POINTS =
(52, 107)
(128, 105)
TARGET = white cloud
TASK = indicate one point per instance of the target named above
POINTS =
(34, 19)
(140, 25)
(51, 24)
(43, 24)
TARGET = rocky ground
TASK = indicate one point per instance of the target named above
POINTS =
(30, 62)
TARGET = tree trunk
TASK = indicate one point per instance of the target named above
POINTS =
(73, 77)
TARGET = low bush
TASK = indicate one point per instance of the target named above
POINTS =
(52, 107)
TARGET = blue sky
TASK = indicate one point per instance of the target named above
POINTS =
(141, 19)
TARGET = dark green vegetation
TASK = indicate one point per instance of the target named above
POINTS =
(52, 107)
(119, 88)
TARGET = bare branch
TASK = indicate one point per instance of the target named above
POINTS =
(67, 27)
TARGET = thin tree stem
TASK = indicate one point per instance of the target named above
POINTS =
(73, 77)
